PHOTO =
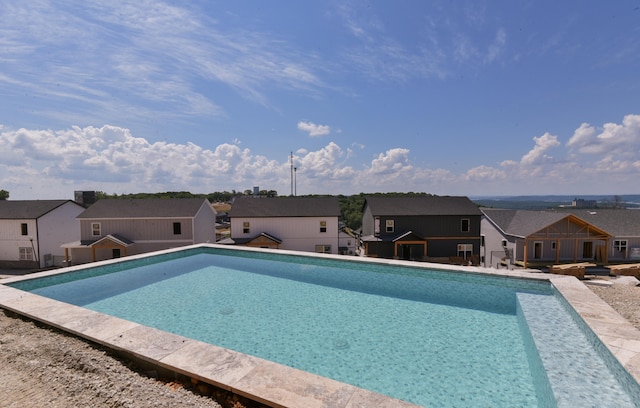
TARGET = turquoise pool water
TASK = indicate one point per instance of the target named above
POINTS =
(432, 338)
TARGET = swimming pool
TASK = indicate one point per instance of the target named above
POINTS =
(430, 337)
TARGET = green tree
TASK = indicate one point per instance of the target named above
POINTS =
(4, 194)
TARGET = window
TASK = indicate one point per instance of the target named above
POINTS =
(504, 243)
(553, 245)
(464, 225)
(24, 229)
(323, 249)
(465, 250)
(481, 240)
(177, 228)
(246, 227)
(390, 225)
(620, 245)
(323, 226)
(26, 254)
(95, 229)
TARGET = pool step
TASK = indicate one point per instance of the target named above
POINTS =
(577, 375)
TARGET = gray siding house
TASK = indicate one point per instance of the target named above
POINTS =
(530, 238)
(112, 228)
(32, 232)
(623, 225)
(430, 228)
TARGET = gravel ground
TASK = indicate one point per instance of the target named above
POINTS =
(42, 367)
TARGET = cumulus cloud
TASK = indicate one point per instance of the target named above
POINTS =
(538, 154)
(484, 173)
(313, 129)
(619, 139)
(36, 163)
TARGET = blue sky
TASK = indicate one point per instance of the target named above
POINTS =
(452, 98)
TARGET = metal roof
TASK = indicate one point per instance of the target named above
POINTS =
(28, 209)
(144, 208)
(428, 205)
(252, 207)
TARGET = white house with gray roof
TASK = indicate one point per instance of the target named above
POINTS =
(112, 228)
(32, 231)
(294, 223)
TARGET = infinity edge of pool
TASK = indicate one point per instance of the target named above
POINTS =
(272, 383)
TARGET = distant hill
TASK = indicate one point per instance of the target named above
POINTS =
(541, 202)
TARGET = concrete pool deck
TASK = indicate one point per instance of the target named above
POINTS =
(275, 384)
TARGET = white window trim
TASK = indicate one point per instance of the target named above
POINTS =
(93, 229)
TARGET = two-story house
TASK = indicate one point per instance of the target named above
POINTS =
(32, 231)
(433, 228)
(294, 223)
(112, 228)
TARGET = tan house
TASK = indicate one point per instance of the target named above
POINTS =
(112, 228)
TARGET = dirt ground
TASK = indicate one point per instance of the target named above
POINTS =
(43, 367)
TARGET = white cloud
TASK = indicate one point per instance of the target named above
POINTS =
(622, 140)
(538, 155)
(37, 163)
(313, 129)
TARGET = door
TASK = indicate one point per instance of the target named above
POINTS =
(537, 250)
(115, 253)
(587, 250)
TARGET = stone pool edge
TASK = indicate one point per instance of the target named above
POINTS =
(274, 384)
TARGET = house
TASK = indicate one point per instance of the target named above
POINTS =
(32, 231)
(526, 237)
(112, 228)
(294, 223)
(434, 228)
(623, 225)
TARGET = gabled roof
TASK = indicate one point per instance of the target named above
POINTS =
(523, 223)
(619, 223)
(144, 208)
(29, 209)
(408, 234)
(415, 206)
(252, 207)
(118, 239)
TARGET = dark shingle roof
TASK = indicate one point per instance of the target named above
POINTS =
(28, 209)
(522, 223)
(250, 207)
(144, 208)
(430, 205)
(619, 223)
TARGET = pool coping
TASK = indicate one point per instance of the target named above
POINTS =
(275, 384)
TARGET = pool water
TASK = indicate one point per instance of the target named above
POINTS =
(431, 338)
